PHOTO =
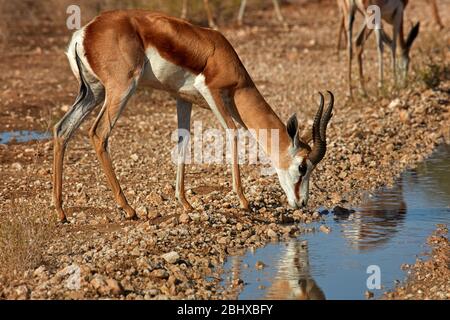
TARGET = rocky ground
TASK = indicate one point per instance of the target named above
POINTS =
(429, 278)
(167, 254)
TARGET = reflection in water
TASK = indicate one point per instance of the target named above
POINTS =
(383, 215)
(293, 280)
(23, 136)
(389, 229)
(377, 220)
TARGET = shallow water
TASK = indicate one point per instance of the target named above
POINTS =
(389, 229)
(23, 136)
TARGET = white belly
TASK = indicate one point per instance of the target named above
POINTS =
(164, 75)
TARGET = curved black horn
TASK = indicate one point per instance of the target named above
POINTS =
(317, 119)
(326, 118)
(319, 130)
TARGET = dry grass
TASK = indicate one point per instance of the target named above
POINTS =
(13, 11)
(24, 231)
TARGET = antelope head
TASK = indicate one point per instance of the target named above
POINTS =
(406, 48)
(302, 158)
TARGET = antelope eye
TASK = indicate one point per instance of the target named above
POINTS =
(302, 169)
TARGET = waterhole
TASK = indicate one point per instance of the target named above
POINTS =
(389, 229)
(23, 136)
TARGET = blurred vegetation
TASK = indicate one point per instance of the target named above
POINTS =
(434, 73)
(25, 230)
(13, 11)
(18, 17)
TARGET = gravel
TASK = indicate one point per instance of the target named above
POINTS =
(429, 277)
(169, 254)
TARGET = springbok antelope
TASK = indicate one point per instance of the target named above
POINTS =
(392, 12)
(240, 18)
(342, 9)
(276, 6)
(119, 49)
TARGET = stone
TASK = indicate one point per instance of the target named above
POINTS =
(65, 108)
(153, 292)
(184, 218)
(153, 215)
(160, 273)
(194, 216)
(272, 234)
(335, 197)
(396, 103)
(325, 229)
(126, 285)
(355, 159)
(98, 283)
(142, 211)
(22, 292)
(342, 175)
(342, 212)
(39, 272)
(404, 116)
(155, 199)
(368, 294)
(171, 257)
(114, 287)
(135, 252)
(17, 166)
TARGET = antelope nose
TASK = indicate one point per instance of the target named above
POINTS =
(303, 203)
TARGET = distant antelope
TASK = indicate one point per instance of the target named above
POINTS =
(240, 18)
(120, 49)
(276, 6)
(392, 12)
(342, 19)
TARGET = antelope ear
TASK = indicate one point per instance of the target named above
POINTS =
(292, 127)
(292, 130)
(413, 35)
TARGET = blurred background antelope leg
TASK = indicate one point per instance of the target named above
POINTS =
(184, 9)
(436, 15)
(276, 6)
(351, 20)
(209, 14)
(241, 12)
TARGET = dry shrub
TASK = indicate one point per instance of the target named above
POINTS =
(24, 231)
(433, 74)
